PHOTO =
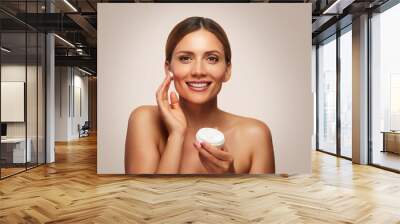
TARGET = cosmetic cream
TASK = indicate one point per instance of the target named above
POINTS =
(212, 136)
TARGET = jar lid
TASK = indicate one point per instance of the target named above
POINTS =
(210, 135)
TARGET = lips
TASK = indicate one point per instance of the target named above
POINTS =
(198, 86)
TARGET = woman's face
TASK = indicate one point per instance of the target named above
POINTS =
(199, 67)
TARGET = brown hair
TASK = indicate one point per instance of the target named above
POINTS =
(192, 24)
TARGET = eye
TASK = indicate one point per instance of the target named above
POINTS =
(213, 59)
(185, 59)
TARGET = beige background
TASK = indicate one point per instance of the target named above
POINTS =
(271, 77)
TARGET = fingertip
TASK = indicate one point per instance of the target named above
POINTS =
(203, 144)
(197, 144)
(174, 97)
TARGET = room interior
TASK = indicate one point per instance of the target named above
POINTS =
(48, 150)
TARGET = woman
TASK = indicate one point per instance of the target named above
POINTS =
(161, 139)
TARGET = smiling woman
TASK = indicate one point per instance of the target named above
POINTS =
(198, 61)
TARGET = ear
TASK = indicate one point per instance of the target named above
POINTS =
(167, 68)
(227, 74)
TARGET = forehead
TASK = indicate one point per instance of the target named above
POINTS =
(199, 40)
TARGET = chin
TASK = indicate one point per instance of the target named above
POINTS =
(197, 99)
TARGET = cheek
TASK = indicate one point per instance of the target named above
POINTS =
(180, 70)
(217, 72)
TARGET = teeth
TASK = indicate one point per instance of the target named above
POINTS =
(198, 84)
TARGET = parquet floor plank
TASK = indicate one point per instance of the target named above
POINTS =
(70, 191)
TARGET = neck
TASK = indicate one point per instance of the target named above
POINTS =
(200, 115)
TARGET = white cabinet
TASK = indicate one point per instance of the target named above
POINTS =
(17, 147)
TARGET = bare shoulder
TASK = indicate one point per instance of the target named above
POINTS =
(147, 112)
(147, 118)
(255, 133)
(250, 128)
(142, 140)
(256, 140)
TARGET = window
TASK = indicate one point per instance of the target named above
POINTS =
(346, 93)
(327, 96)
(385, 89)
(22, 77)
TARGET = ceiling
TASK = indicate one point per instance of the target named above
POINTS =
(76, 22)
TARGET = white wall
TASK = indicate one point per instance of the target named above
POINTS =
(62, 81)
(67, 81)
(271, 76)
(80, 83)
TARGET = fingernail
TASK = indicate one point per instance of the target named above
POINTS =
(198, 144)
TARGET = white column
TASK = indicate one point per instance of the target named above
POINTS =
(50, 92)
(50, 99)
(360, 90)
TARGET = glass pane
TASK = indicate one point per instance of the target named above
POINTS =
(41, 98)
(31, 101)
(346, 94)
(386, 89)
(314, 91)
(31, 85)
(13, 86)
(327, 96)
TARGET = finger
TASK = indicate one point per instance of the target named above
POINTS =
(160, 89)
(164, 90)
(197, 144)
(209, 157)
(203, 160)
(162, 106)
(162, 99)
(174, 100)
(225, 148)
(210, 167)
(169, 73)
(162, 84)
(218, 153)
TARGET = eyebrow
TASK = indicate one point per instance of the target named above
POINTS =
(207, 52)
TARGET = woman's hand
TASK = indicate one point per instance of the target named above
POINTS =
(213, 159)
(171, 113)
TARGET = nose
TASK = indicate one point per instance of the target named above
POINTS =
(198, 69)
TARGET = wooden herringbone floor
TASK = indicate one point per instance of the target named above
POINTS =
(70, 191)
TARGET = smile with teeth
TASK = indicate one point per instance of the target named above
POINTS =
(199, 85)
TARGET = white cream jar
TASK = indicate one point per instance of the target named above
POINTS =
(212, 136)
